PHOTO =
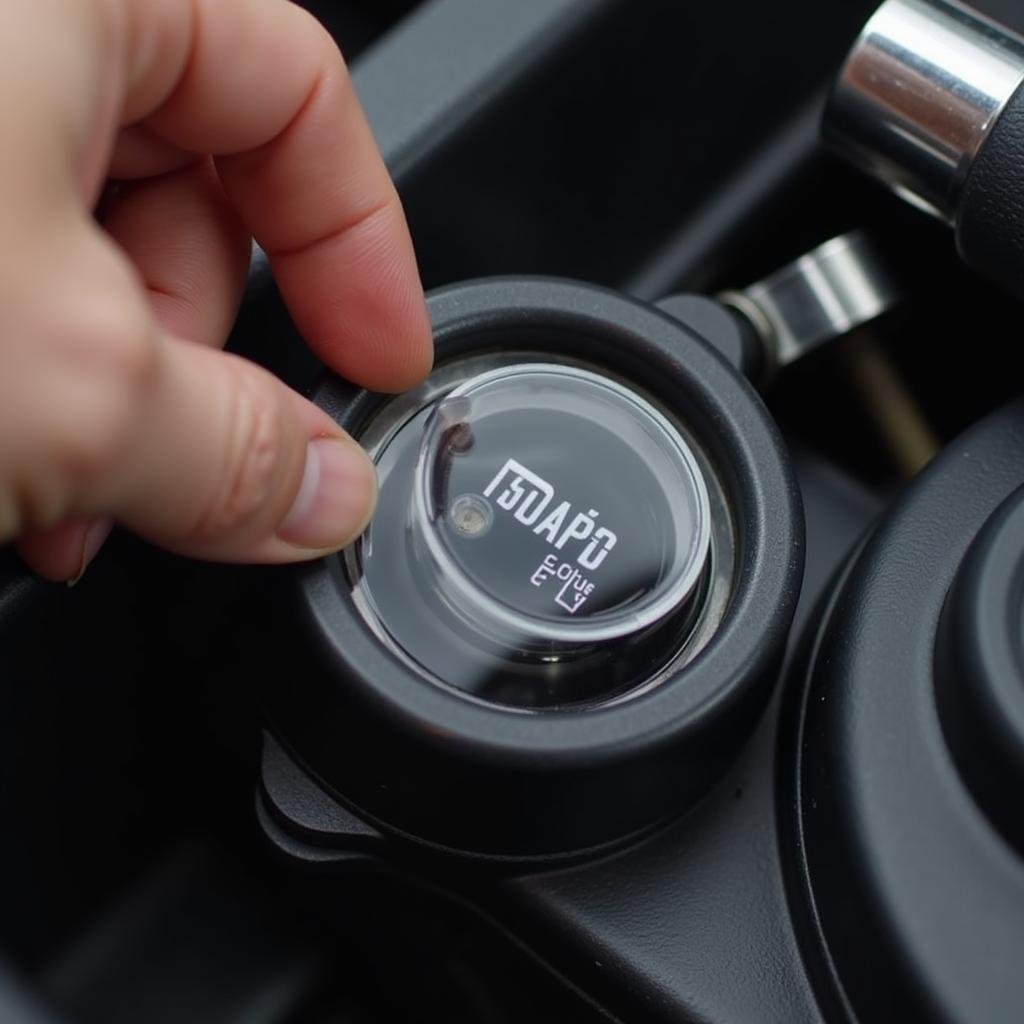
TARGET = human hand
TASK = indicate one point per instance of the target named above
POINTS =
(225, 119)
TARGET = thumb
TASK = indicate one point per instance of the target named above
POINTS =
(104, 414)
(223, 461)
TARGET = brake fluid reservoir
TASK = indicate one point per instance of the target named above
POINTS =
(541, 538)
(573, 598)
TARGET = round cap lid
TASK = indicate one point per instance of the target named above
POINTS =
(556, 507)
(530, 522)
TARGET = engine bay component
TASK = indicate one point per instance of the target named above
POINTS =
(599, 590)
(235, 790)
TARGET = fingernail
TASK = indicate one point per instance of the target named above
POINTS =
(336, 497)
(92, 540)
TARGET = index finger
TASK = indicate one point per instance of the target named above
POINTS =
(262, 86)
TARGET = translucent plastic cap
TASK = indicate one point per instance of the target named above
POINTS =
(545, 514)
(554, 506)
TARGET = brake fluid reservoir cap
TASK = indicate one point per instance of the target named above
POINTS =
(550, 515)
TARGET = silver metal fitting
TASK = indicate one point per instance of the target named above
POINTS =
(824, 294)
(918, 95)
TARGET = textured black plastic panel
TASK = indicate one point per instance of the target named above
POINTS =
(916, 895)
(990, 224)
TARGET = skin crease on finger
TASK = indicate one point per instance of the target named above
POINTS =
(145, 89)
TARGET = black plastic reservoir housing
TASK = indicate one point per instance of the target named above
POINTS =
(573, 598)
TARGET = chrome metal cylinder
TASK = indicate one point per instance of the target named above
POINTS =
(826, 293)
(919, 93)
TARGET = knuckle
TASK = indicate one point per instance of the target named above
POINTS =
(252, 456)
